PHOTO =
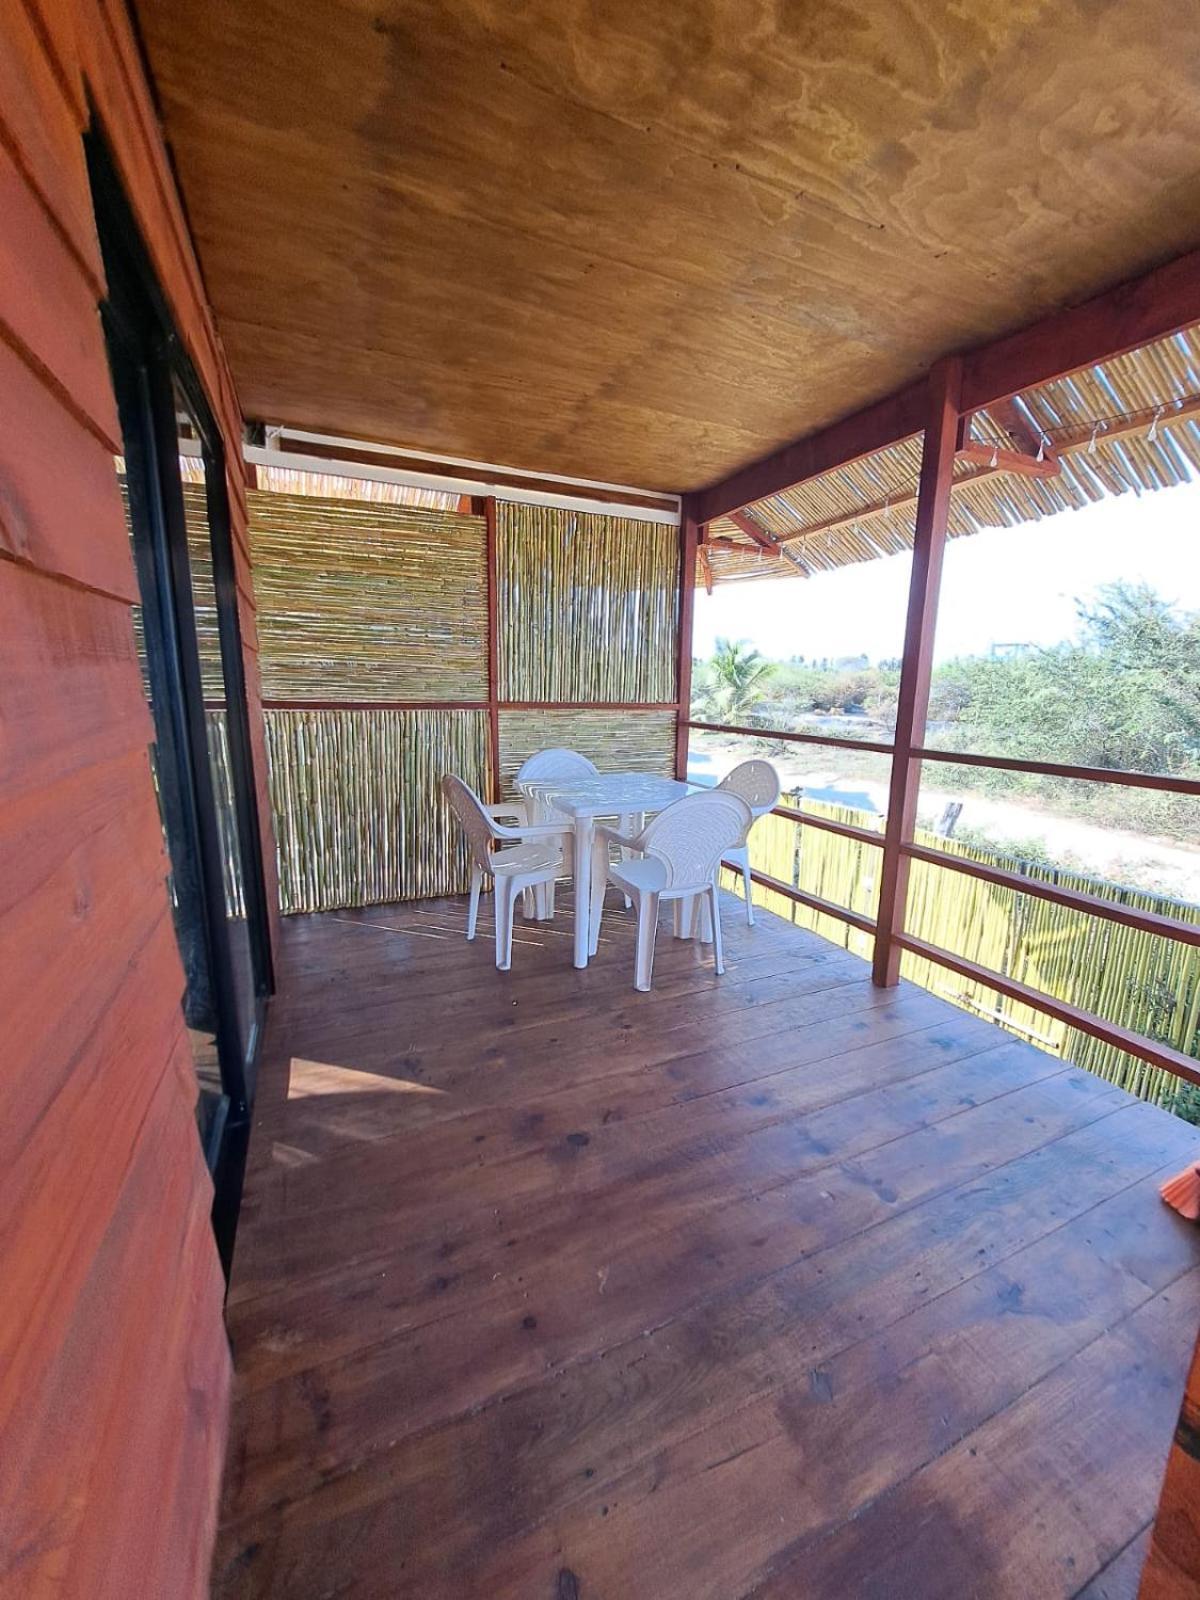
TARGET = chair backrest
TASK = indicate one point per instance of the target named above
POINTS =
(755, 782)
(472, 814)
(555, 766)
(690, 837)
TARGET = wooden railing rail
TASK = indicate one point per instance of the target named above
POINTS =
(831, 740)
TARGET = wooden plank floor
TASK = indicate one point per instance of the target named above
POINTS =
(771, 1285)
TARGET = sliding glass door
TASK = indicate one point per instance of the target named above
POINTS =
(172, 474)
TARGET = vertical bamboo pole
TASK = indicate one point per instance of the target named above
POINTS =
(493, 641)
(689, 544)
(929, 543)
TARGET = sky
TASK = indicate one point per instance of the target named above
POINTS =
(1003, 586)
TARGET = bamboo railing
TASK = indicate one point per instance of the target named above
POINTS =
(1140, 980)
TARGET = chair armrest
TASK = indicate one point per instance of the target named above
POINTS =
(533, 830)
(606, 835)
(516, 809)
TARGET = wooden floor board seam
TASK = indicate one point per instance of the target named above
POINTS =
(785, 1556)
(903, 1189)
(736, 1290)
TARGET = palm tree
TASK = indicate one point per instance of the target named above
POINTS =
(738, 672)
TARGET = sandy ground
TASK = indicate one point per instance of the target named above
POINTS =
(1121, 856)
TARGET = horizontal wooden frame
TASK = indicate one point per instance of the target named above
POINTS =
(1074, 899)
(844, 830)
(469, 705)
(814, 902)
(1134, 313)
(1055, 769)
(1137, 312)
(375, 705)
(827, 739)
(1134, 1044)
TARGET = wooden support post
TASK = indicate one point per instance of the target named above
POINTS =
(929, 543)
(689, 545)
(493, 641)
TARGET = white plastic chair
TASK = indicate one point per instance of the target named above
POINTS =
(676, 856)
(534, 857)
(558, 765)
(757, 783)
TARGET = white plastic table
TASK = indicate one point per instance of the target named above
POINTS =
(610, 794)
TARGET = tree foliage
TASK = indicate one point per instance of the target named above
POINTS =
(1126, 694)
(726, 688)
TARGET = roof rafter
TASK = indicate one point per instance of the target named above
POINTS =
(756, 534)
(1159, 303)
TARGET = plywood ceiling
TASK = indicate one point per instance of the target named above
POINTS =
(650, 242)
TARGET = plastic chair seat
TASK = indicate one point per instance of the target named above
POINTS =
(525, 858)
(641, 874)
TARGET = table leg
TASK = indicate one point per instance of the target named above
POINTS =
(585, 833)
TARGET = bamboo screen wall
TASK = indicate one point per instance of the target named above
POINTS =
(358, 815)
(617, 741)
(588, 606)
(587, 617)
(365, 608)
(360, 601)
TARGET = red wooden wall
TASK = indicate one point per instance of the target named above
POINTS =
(1172, 1570)
(114, 1368)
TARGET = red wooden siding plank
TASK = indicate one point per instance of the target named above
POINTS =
(48, 308)
(68, 523)
(70, 692)
(41, 131)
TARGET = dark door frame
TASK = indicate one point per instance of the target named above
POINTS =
(149, 362)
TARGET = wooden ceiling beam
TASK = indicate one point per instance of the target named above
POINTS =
(1015, 461)
(1024, 436)
(1135, 313)
(895, 502)
(756, 534)
(897, 417)
(1062, 444)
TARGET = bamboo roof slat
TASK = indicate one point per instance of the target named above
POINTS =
(1129, 425)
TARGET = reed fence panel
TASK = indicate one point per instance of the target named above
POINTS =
(617, 741)
(359, 818)
(588, 606)
(359, 601)
(1142, 981)
(362, 602)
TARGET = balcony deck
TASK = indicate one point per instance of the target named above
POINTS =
(775, 1284)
